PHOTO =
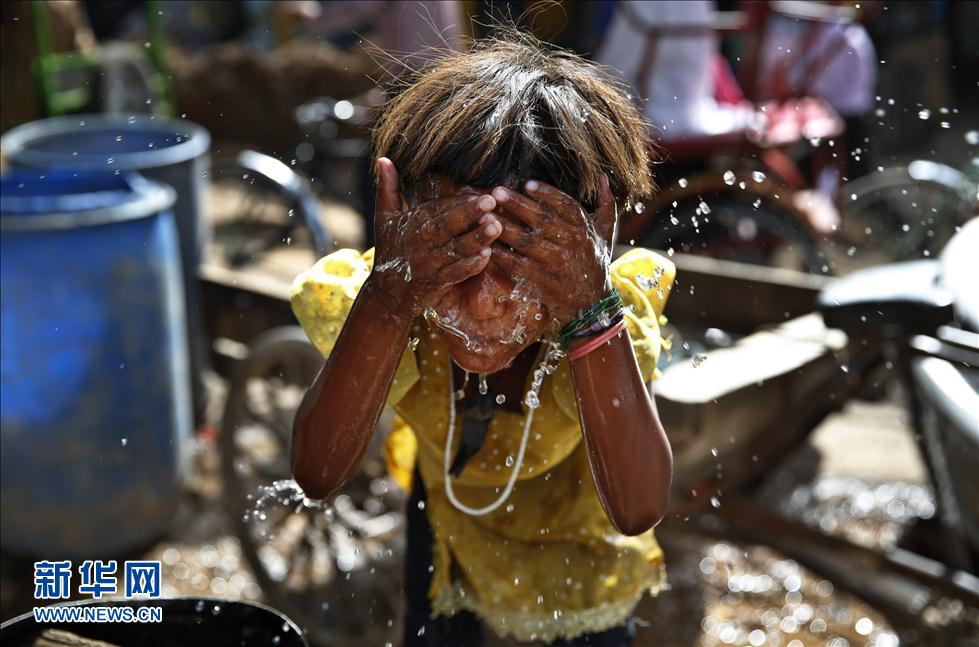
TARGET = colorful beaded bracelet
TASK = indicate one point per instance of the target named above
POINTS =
(601, 311)
(592, 344)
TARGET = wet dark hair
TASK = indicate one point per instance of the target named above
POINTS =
(510, 110)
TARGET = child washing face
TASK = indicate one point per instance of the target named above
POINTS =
(534, 488)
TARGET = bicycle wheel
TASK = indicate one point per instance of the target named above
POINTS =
(903, 213)
(758, 233)
(265, 216)
(332, 567)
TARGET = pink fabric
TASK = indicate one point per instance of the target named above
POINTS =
(726, 88)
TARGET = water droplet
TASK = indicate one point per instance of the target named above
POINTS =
(532, 400)
(413, 343)
(703, 209)
(729, 178)
(510, 461)
(715, 502)
(924, 113)
(698, 359)
(216, 610)
(483, 387)
(972, 137)
(646, 283)
(500, 399)
(945, 124)
(118, 138)
(682, 182)
(124, 442)
(640, 207)
(758, 176)
(864, 626)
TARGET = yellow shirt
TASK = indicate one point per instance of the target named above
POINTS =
(548, 564)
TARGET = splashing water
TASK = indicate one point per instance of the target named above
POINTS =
(461, 391)
(284, 492)
(433, 317)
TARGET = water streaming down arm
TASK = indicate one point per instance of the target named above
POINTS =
(338, 415)
(628, 450)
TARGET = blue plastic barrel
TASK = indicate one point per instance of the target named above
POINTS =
(171, 151)
(94, 383)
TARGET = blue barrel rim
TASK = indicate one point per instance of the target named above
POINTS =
(150, 197)
(17, 142)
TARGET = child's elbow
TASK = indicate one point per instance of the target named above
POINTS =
(640, 513)
(636, 522)
(312, 487)
(310, 477)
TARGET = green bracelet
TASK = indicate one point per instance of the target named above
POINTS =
(608, 304)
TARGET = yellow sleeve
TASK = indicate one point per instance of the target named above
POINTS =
(322, 297)
(644, 279)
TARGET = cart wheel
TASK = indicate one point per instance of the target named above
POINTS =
(759, 234)
(332, 566)
(904, 212)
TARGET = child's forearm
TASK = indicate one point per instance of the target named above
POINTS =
(628, 450)
(337, 417)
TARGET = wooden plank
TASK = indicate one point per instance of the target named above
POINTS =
(239, 306)
(737, 296)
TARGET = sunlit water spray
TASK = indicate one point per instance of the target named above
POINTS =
(282, 493)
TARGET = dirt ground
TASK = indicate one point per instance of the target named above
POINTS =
(869, 485)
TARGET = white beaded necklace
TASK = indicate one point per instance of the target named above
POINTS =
(546, 367)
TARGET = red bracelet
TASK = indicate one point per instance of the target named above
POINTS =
(589, 346)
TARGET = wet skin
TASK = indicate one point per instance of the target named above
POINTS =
(468, 250)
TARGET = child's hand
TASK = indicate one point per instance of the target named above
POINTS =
(420, 254)
(560, 249)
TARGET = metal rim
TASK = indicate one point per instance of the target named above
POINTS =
(16, 143)
(149, 198)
